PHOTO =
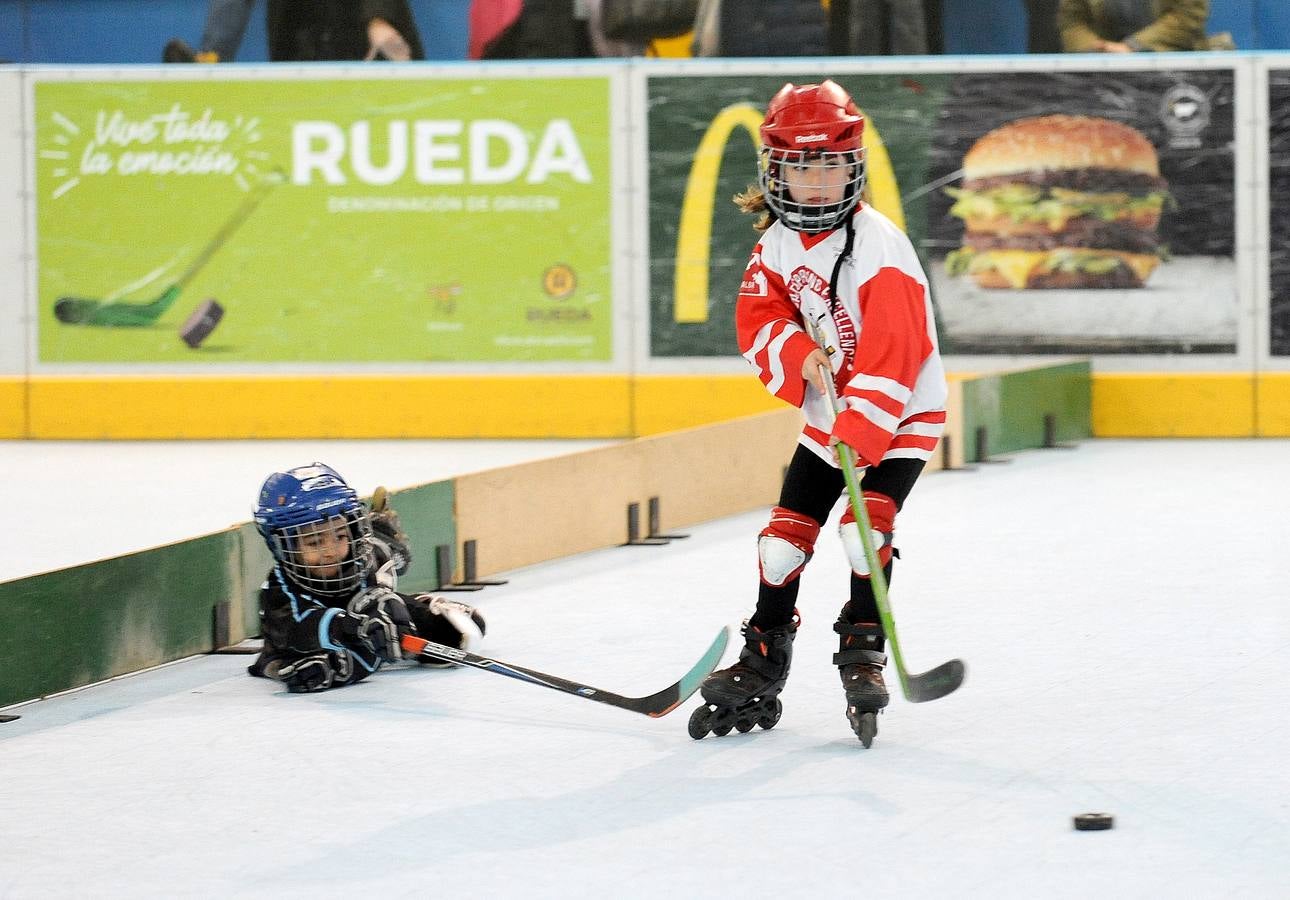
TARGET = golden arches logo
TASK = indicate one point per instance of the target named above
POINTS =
(694, 237)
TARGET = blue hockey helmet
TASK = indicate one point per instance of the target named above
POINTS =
(316, 529)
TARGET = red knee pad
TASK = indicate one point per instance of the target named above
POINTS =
(882, 519)
(785, 546)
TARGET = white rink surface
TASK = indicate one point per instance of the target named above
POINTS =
(1121, 608)
(148, 493)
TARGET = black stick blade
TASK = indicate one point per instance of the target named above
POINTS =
(936, 683)
(654, 706)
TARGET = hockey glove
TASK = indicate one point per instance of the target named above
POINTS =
(388, 533)
(379, 618)
(315, 672)
(445, 621)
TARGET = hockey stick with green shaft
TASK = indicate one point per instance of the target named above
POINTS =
(655, 705)
(88, 311)
(917, 688)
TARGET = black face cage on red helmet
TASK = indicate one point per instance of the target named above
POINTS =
(776, 169)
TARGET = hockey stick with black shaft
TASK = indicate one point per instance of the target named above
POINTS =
(917, 688)
(88, 311)
(654, 706)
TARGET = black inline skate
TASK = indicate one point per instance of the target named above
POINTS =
(747, 693)
(860, 663)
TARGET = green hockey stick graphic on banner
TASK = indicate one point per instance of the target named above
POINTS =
(118, 313)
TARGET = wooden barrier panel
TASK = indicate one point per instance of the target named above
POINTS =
(701, 474)
(950, 452)
(532, 512)
(529, 513)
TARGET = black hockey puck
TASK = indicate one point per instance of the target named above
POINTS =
(201, 323)
(1093, 822)
(9, 718)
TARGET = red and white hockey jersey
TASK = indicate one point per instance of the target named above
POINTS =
(881, 336)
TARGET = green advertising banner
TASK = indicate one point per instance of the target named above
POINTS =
(1054, 211)
(463, 220)
(702, 150)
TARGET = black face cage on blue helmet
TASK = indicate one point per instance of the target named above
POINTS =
(342, 569)
(776, 170)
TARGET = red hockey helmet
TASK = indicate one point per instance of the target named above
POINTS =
(813, 117)
(812, 133)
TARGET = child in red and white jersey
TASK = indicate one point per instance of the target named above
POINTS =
(830, 264)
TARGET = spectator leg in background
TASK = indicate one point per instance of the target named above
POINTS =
(906, 28)
(226, 22)
(869, 27)
(1043, 35)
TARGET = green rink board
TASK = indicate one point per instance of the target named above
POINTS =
(1012, 407)
(426, 512)
(254, 562)
(76, 626)
(73, 627)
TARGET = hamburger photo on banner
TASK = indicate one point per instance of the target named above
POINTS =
(1059, 202)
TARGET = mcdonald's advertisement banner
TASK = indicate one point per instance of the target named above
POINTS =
(1279, 205)
(323, 221)
(1054, 212)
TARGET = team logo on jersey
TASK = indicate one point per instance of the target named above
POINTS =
(809, 292)
(807, 288)
(754, 283)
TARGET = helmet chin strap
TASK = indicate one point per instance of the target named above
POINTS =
(837, 266)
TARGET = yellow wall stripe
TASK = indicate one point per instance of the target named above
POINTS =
(1190, 404)
(13, 408)
(1273, 404)
(364, 406)
(546, 405)
(672, 402)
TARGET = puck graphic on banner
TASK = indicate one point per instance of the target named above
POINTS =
(201, 322)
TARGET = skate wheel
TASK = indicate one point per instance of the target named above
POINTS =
(743, 726)
(771, 717)
(698, 726)
(723, 729)
(867, 729)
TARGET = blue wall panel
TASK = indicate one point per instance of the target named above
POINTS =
(974, 27)
(1238, 18)
(134, 31)
(1272, 25)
